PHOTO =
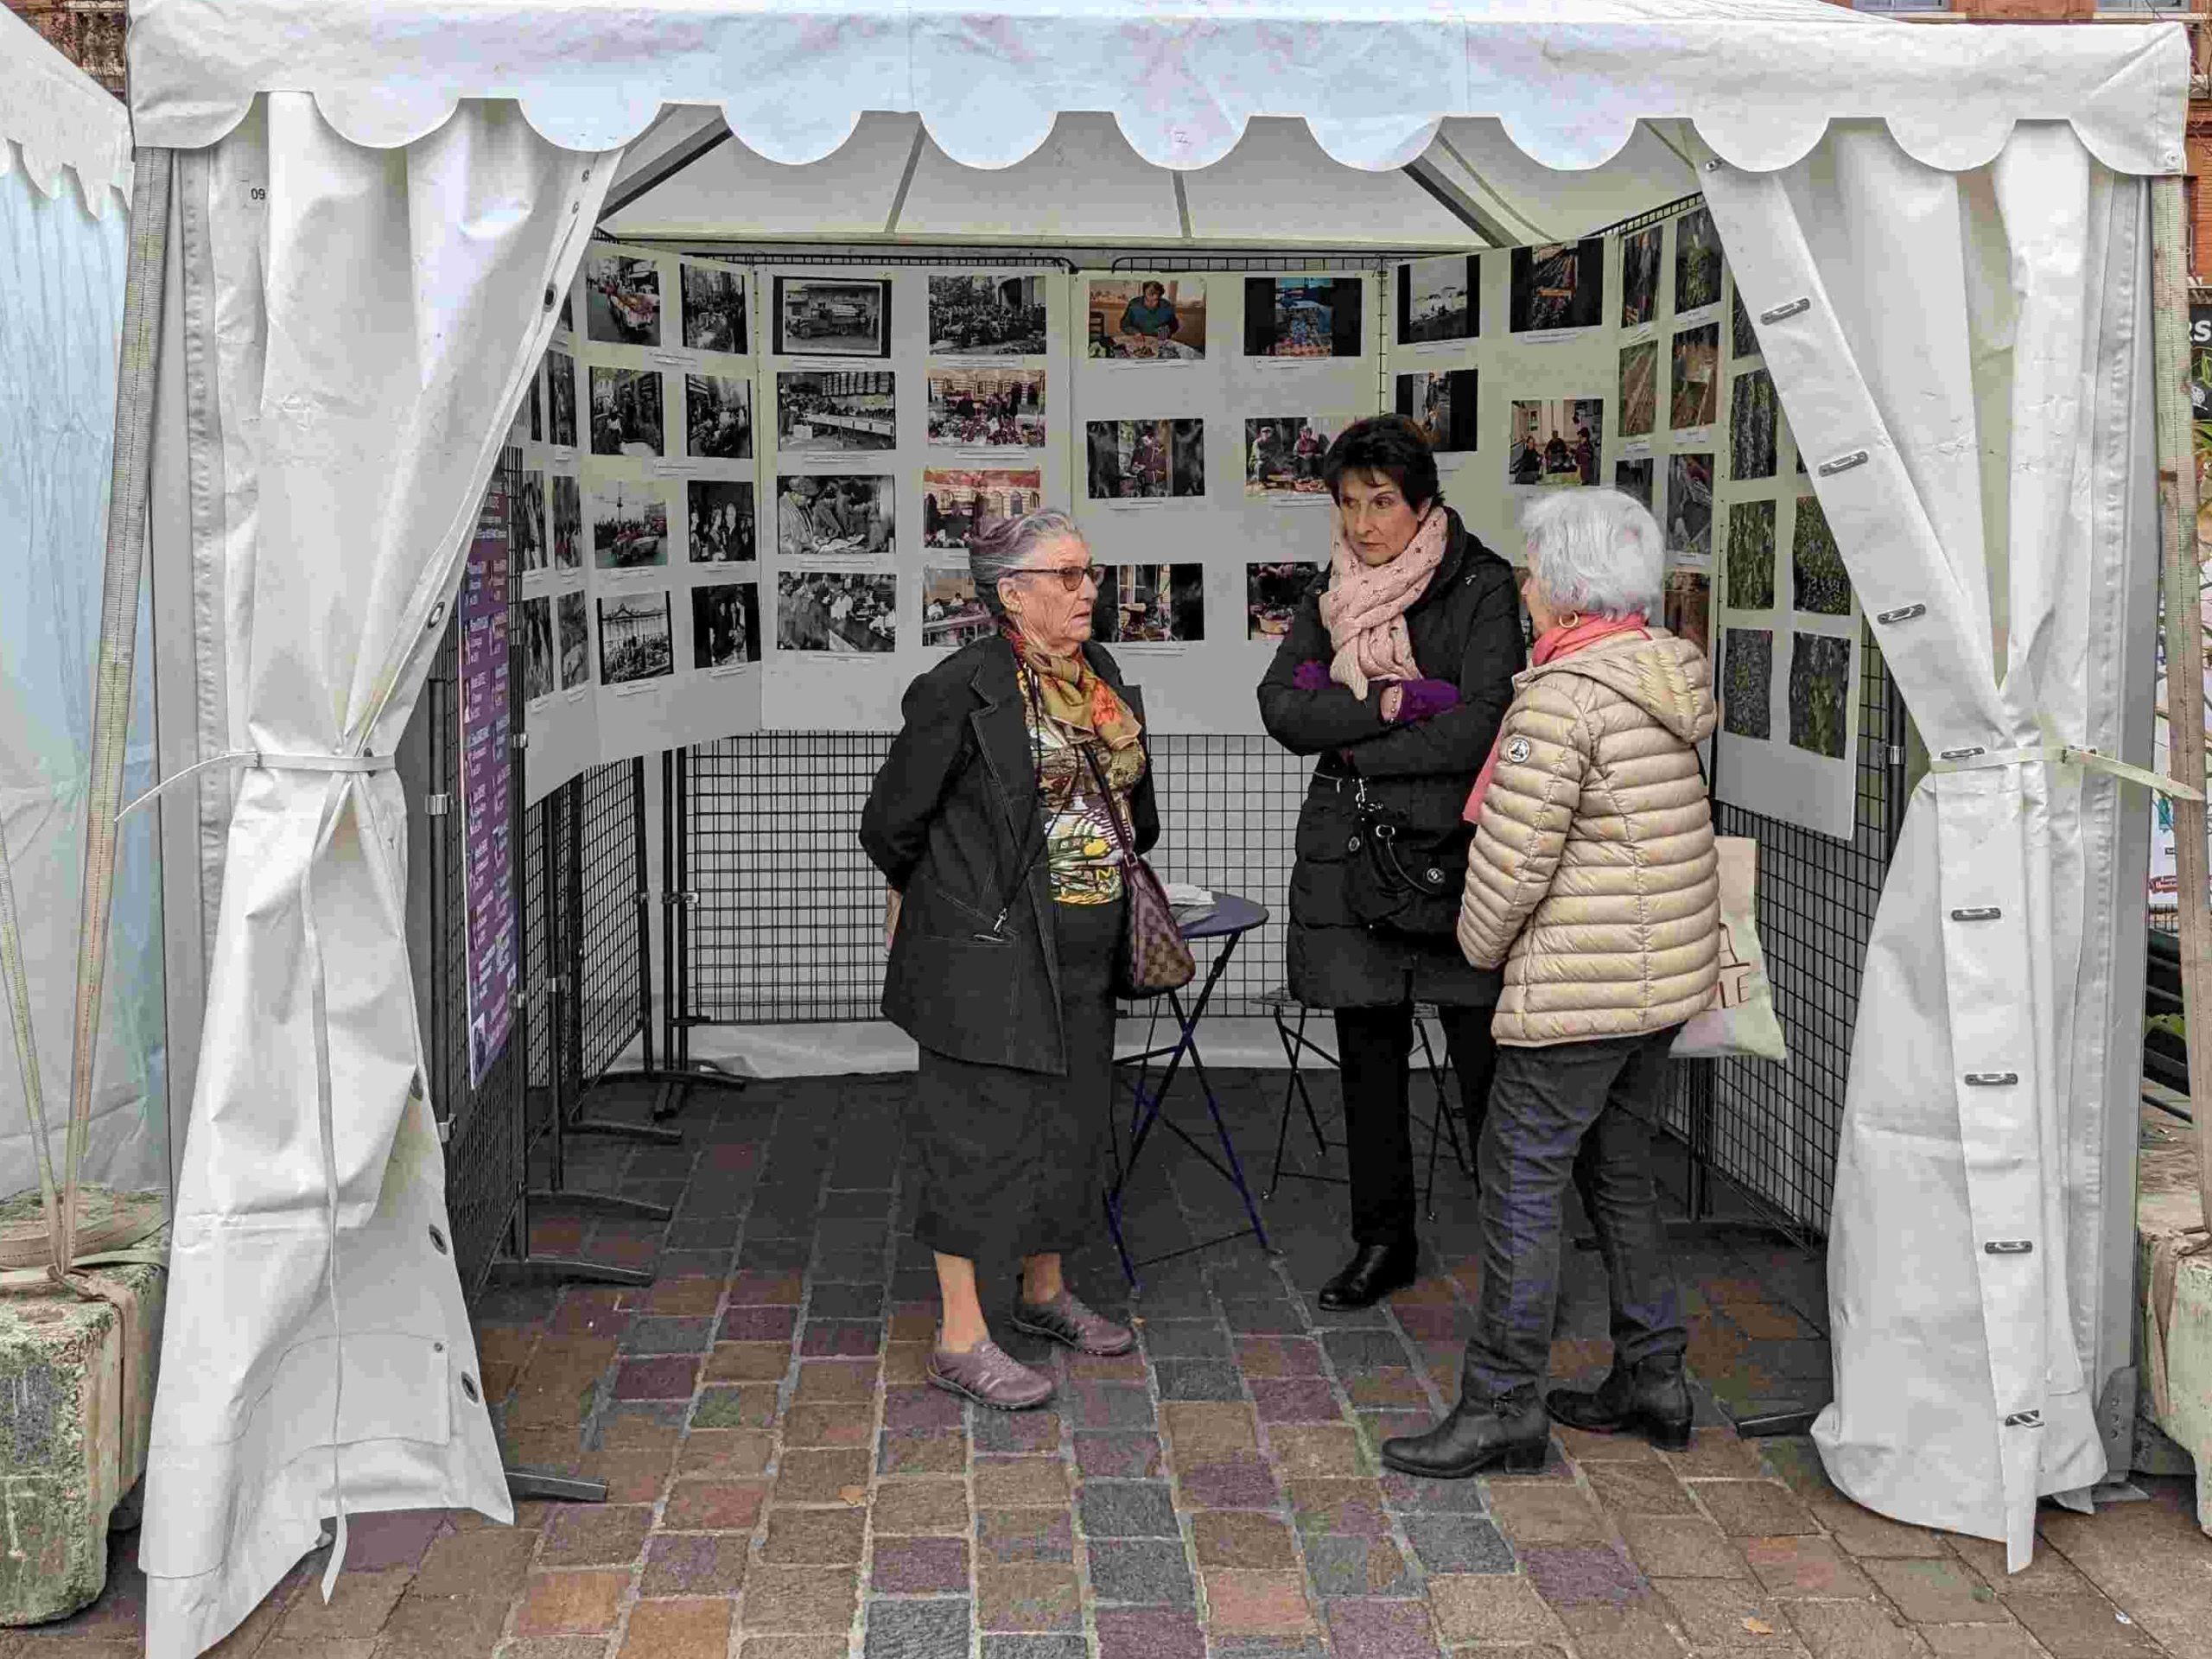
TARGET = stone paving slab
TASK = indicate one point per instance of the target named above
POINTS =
(781, 1486)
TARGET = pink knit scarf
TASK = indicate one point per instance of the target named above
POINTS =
(1364, 608)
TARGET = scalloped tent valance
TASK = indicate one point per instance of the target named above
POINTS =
(1568, 79)
(60, 120)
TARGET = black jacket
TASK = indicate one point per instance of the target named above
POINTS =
(953, 811)
(1465, 628)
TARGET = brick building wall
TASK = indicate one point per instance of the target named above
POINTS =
(88, 32)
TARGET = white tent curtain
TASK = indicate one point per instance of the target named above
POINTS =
(1981, 454)
(376, 313)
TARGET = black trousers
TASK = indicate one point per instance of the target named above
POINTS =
(1579, 1111)
(1374, 1055)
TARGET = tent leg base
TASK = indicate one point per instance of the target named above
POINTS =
(652, 1134)
(1775, 1424)
(599, 1204)
(567, 1270)
(567, 1489)
(677, 1084)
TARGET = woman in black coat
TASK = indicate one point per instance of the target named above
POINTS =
(998, 819)
(1396, 673)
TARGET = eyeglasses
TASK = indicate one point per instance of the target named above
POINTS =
(1071, 577)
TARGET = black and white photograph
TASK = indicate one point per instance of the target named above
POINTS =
(636, 641)
(625, 412)
(725, 625)
(532, 551)
(831, 316)
(1148, 320)
(1439, 299)
(1819, 584)
(718, 416)
(959, 502)
(1304, 316)
(629, 525)
(1145, 460)
(951, 614)
(568, 323)
(1633, 479)
(1695, 379)
(1556, 443)
(568, 524)
(987, 409)
(1272, 595)
(1150, 605)
(621, 299)
(713, 308)
(1639, 389)
(1747, 683)
(1819, 694)
(720, 520)
(1744, 340)
(537, 649)
(1687, 607)
(1559, 286)
(1697, 261)
(1640, 255)
(840, 613)
(537, 406)
(1442, 404)
(833, 513)
(1748, 571)
(1754, 417)
(1283, 454)
(561, 400)
(1690, 506)
(573, 612)
(998, 315)
(837, 412)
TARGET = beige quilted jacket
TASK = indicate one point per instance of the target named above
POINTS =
(1591, 875)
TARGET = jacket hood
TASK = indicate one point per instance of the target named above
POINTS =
(1664, 676)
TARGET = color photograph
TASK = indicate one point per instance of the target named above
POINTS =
(1303, 316)
(1697, 261)
(987, 316)
(568, 524)
(951, 614)
(721, 521)
(1639, 389)
(1150, 605)
(1439, 299)
(1145, 460)
(1820, 691)
(1633, 479)
(575, 639)
(1690, 506)
(561, 400)
(1749, 571)
(629, 526)
(713, 308)
(1148, 320)
(725, 625)
(621, 299)
(1559, 286)
(834, 514)
(1689, 606)
(718, 416)
(1747, 683)
(1754, 418)
(957, 503)
(832, 317)
(532, 551)
(625, 412)
(1271, 596)
(1283, 454)
(1640, 277)
(636, 641)
(1819, 584)
(987, 409)
(1696, 378)
(836, 413)
(537, 649)
(1443, 406)
(1556, 443)
(838, 613)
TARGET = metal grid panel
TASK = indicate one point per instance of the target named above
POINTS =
(607, 942)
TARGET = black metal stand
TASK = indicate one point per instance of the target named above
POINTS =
(682, 1073)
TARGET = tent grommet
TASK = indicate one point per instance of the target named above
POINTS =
(437, 1241)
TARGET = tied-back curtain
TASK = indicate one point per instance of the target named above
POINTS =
(1963, 358)
(364, 322)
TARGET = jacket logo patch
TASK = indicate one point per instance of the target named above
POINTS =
(1517, 751)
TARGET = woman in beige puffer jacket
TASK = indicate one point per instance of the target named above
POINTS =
(1592, 877)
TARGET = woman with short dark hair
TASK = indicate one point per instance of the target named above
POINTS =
(1396, 673)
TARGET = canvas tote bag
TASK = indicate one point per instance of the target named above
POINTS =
(1741, 1019)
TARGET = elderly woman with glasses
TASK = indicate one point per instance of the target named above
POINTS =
(1592, 879)
(998, 820)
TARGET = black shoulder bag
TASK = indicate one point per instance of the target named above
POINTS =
(1400, 880)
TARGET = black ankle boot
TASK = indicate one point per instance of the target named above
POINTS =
(1511, 1431)
(1652, 1399)
(1372, 1274)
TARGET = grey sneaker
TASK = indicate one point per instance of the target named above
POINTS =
(990, 1376)
(1066, 1320)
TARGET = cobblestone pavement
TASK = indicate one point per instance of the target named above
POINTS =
(781, 1486)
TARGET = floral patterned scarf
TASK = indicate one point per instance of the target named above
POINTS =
(1071, 692)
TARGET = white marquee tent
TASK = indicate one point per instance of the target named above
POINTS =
(1945, 235)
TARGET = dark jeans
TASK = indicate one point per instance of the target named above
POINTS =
(1579, 1110)
(1374, 1055)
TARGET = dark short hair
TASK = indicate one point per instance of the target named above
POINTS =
(1391, 445)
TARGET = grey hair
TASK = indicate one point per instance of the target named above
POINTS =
(1596, 551)
(998, 551)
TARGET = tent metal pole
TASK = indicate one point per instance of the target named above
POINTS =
(651, 178)
(1458, 203)
(2184, 636)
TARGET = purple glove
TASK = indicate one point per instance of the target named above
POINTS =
(1420, 699)
(1311, 676)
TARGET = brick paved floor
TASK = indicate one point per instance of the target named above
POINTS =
(781, 1486)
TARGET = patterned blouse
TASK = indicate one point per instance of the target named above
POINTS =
(1081, 850)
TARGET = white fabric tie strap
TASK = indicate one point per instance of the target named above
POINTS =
(265, 761)
(2062, 754)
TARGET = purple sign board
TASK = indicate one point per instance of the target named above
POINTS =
(486, 779)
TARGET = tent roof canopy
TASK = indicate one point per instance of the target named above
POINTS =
(60, 119)
(1375, 80)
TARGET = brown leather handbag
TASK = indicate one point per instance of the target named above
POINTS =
(1156, 958)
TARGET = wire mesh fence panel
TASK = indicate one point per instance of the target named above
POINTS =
(607, 946)
(543, 957)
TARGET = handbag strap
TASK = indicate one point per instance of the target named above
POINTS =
(1113, 808)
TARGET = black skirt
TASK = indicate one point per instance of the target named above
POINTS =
(1010, 1161)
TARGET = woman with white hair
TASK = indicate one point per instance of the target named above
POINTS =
(1592, 877)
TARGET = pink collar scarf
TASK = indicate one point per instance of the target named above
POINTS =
(1550, 644)
(1364, 608)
